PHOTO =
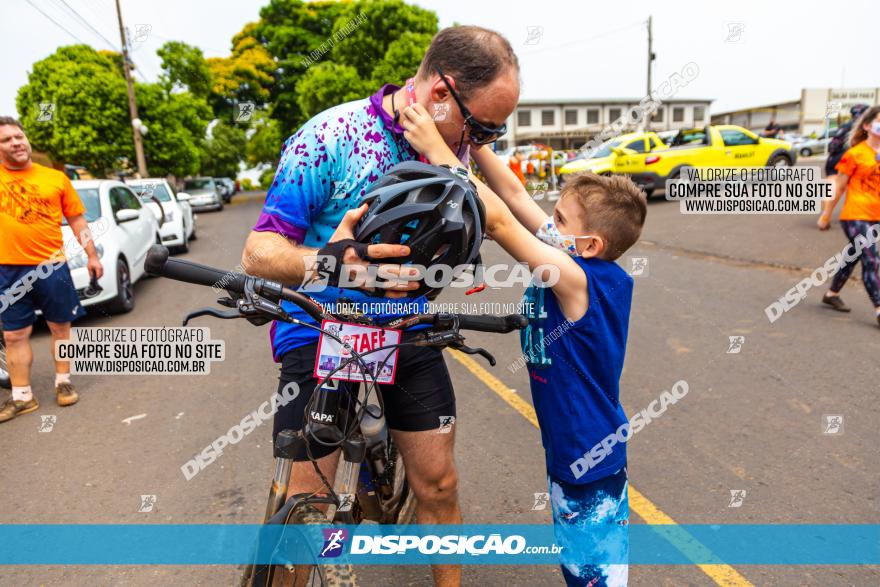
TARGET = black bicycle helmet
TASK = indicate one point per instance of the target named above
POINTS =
(431, 209)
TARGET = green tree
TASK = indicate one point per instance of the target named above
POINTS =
(184, 68)
(366, 29)
(264, 144)
(328, 84)
(247, 75)
(90, 123)
(223, 150)
(177, 124)
(402, 59)
(365, 41)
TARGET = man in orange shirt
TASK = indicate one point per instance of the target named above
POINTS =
(33, 270)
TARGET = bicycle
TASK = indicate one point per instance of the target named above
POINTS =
(370, 482)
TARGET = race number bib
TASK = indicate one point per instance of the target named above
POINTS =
(363, 340)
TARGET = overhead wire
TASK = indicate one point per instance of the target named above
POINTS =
(55, 22)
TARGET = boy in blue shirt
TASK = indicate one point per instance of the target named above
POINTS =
(574, 345)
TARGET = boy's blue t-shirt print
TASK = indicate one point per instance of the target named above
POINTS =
(325, 169)
(575, 367)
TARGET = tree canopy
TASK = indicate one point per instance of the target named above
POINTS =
(297, 60)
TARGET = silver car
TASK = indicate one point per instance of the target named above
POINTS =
(204, 194)
(808, 147)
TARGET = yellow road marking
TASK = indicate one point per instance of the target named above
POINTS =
(723, 575)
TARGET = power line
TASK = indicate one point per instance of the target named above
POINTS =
(55, 22)
(100, 14)
(85, 22)
(585, 39)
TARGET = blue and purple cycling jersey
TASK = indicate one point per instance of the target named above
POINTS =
(324, 171)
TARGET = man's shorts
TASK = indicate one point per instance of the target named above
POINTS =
(591, 523)
(420, 398)
(48, 287)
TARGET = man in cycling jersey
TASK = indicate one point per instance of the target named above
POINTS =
(325, 169)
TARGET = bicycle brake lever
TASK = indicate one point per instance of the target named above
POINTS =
(228, 302)
(474, 351)
(210, 312)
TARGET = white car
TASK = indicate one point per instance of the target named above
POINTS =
(203, 193)
(178, 223)
(123, 230)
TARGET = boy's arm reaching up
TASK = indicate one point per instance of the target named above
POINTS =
(571, 287)
(507, 186)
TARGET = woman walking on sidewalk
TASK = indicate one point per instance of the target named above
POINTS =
(859, 177)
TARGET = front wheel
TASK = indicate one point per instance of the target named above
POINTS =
(806, 152)
(779, 161)
(124, 300)
(326, 575)
(184, 248)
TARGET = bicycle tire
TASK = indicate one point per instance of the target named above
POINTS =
(327, 575)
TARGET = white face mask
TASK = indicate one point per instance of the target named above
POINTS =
(549, 233)
(875, 128)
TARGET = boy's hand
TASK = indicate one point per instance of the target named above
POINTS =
(422, 133)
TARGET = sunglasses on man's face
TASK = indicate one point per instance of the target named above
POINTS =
(479, 133)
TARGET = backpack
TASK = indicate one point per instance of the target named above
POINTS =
(837, 146)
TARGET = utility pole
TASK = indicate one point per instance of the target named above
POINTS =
(132, 104)
(651, 57)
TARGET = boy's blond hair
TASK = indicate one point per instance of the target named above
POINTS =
(612, 207)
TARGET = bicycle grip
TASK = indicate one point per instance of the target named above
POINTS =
(158, 264)
(499, 324)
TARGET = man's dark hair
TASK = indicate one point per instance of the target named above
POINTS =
(472, 55)
(9, 121)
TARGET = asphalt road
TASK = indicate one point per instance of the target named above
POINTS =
(752, 421)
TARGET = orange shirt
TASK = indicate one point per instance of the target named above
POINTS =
(32, 203)
(863, 190)
(516, 167)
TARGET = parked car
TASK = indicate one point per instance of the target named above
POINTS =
(226, 187)
(123, 230)
(812, 146)
(178, 223)
(604, 159)
(203, 193)
(724, 145)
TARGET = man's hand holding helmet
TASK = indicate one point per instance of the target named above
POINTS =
(344, 253)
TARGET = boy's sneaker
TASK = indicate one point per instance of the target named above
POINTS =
(836, 303)
(13, 408)
(65, 394)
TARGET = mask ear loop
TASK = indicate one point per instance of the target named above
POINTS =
(461, 142)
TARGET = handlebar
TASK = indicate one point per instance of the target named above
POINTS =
(159, 264)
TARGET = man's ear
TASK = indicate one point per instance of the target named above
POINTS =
(595, 248)
(439, 91)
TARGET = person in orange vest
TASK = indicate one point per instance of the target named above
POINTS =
(515, 164)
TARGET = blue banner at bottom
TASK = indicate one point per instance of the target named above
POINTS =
(184, 544)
